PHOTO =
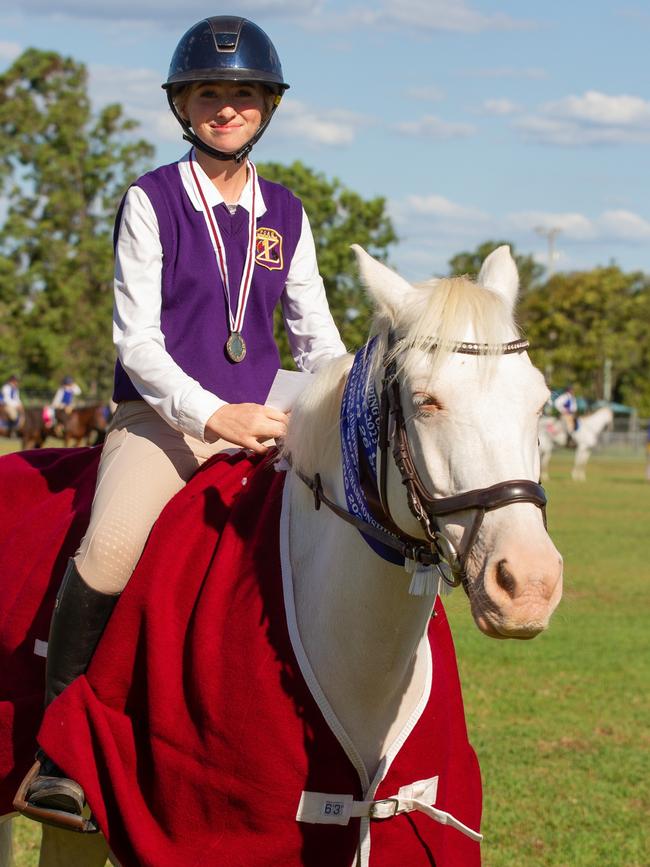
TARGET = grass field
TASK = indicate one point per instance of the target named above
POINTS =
(560, 723)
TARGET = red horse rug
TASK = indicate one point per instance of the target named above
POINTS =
(197, 733)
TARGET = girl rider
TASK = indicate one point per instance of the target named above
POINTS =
(205, 248)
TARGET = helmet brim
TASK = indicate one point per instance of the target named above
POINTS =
(192, 76)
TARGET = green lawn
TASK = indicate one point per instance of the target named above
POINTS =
(560, 723)
(13, 445)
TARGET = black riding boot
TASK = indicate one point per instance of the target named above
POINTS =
(80, 616)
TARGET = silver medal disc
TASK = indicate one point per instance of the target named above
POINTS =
(235, 347)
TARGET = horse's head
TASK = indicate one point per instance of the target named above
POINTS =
(471, 423)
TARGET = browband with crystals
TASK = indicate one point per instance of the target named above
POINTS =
(465, 348)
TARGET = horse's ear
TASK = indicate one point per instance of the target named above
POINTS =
(499, 273)
(388, 290)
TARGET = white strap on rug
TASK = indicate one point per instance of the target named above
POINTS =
(322, 809)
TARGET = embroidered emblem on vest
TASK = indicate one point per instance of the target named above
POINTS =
(268, 249)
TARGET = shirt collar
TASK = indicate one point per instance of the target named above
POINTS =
(212, 195)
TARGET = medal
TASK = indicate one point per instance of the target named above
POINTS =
(235, 346)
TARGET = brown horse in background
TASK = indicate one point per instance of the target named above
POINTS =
(84, 425)
(34, 431)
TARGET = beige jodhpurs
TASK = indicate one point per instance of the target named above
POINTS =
(144, 462)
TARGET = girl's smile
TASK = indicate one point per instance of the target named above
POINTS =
(225, 114)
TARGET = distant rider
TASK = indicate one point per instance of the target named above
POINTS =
(12, 404)
(567, 406)
(66, 393)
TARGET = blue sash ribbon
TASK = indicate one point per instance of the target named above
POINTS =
(359, 426)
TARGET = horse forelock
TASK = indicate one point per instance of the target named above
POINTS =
(441, 314)
(448, 311)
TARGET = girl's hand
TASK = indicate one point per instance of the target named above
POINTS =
(247, 425)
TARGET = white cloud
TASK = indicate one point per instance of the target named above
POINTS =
(625, 226)
(140, 94)
(591, 119)
(500, 107)
(429, 15)
(571, 225)
(442, 15)
(636, 14)
(9, 50)
(431, 127)
(323, 126)
(439, 206)
(531, 72)
(427, 93)
(602, 110)
(615, 225)
(156, 11)
(432, 228)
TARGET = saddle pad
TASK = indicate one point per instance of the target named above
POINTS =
(194, 733)
(45, 502)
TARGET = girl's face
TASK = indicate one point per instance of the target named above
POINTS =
(225, 114)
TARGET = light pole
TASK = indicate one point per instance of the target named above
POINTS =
(550, 233)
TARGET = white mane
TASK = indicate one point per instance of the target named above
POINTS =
(312, 440)
(446, 310)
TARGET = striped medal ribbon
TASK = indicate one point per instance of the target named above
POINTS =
(235, 345)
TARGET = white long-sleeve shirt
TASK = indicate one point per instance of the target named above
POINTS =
(58, 401)
(180, 399)
(566, 402)
(10, 395)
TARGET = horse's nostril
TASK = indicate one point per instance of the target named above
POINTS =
(504, 578)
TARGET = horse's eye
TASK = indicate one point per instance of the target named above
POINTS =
(425, 402)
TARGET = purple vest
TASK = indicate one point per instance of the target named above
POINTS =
(194, 315)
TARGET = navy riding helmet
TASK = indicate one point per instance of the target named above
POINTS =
(225, 48)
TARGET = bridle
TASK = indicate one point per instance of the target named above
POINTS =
(438, 548)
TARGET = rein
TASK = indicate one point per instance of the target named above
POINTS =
(437, 548)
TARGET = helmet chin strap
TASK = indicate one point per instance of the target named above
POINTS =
(238, 156)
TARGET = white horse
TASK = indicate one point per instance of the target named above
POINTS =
(470, 426)
(553, 433)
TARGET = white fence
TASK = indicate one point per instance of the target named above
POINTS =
(629, 433)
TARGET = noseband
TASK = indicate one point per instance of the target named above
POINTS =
(423, 505)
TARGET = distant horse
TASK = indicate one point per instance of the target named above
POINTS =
(85, 425)
(553, 433)
(450, 463)
(81, 426)
(35, 429)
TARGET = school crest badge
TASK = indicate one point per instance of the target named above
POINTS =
(268, 249)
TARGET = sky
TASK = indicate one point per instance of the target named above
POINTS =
(475, 119)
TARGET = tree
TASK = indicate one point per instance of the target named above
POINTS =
(339, 217)
(579, 321)
(530, 271)
(63, 171)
